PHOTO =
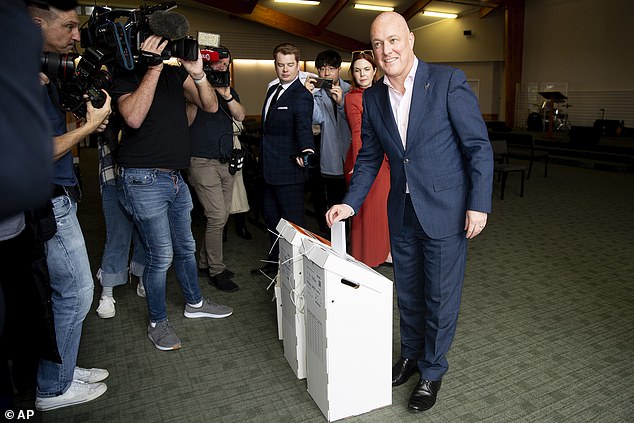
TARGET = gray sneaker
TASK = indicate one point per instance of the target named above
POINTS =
(208, 309)
(163, 336)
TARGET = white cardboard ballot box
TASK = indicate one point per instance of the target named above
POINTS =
(278, 303)
(349, 314)
(291, 283)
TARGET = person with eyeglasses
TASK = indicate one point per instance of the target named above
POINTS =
(329, 114)
(369, 233)
(427, 121)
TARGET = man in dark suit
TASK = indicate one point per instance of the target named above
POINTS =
(427, 121)
(287, 138)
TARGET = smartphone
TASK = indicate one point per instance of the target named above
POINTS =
(324, 83)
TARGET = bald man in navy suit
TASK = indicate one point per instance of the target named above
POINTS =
(427, 120)
(287, 136)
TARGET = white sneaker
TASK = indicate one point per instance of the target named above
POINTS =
(89, 375)
(106, 307)
(140, 289)
(77, 393)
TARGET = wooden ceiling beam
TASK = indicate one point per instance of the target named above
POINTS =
(415, 8)
(486, 10)
(231, 6)
(283, 22)
(331, 15)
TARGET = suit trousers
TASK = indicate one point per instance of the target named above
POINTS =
(282, 201)
(429, 275)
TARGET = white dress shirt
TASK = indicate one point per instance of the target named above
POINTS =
(401, 103)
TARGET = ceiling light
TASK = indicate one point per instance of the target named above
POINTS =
(372, 7)
(304, 2)
(440, 14)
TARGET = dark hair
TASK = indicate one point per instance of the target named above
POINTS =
(63, 5)
(359, 56)
(228, 52)
(286, 49)
(328, 58)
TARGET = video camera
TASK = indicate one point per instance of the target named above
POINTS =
(122, 32)
(73, 81)
(211, 55)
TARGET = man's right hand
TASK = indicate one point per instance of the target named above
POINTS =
(98, 118)
(338, 212)
(310, 83)
(154, 44)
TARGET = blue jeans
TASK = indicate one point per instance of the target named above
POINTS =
(120, 232)
(160, 204)
(72, 290)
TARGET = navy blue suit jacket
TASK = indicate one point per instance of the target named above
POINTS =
(286, 132)
(447, 163)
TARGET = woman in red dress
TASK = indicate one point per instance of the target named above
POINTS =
(369, 235)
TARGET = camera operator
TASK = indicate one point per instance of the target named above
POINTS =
(61, 385)
(211, 149)
(154, 149)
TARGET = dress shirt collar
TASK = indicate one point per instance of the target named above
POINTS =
(288, 84)
(409, 79)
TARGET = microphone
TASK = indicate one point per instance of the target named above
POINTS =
(209, 55)
(169, 25)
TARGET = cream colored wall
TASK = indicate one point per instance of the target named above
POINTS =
(586, 43)
(444, 41)
(479, 56)
(587, 49)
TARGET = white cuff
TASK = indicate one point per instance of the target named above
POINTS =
(201, 80)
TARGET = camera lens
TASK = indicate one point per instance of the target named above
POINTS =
(58, 66)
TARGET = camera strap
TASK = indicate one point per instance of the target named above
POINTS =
(123, 47)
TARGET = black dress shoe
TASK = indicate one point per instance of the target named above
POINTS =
(403, 370)
(424, 395)
(270, 269)
(223, 281)
(204, 271)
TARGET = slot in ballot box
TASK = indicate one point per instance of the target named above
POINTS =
(291, 293)
(349, 314)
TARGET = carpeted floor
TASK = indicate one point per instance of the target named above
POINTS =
(546, 331)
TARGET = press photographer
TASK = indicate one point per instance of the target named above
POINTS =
(213, 163)
(66, 256)
(75, 83)
(215, 66)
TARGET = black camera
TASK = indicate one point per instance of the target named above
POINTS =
(122, 32)
(73, 81)
(309, 159)
(210, 56)
(323, 83)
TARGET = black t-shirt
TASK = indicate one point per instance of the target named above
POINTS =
(211, 134)
(162, 140)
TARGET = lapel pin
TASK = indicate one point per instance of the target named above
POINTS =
(427, 85)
